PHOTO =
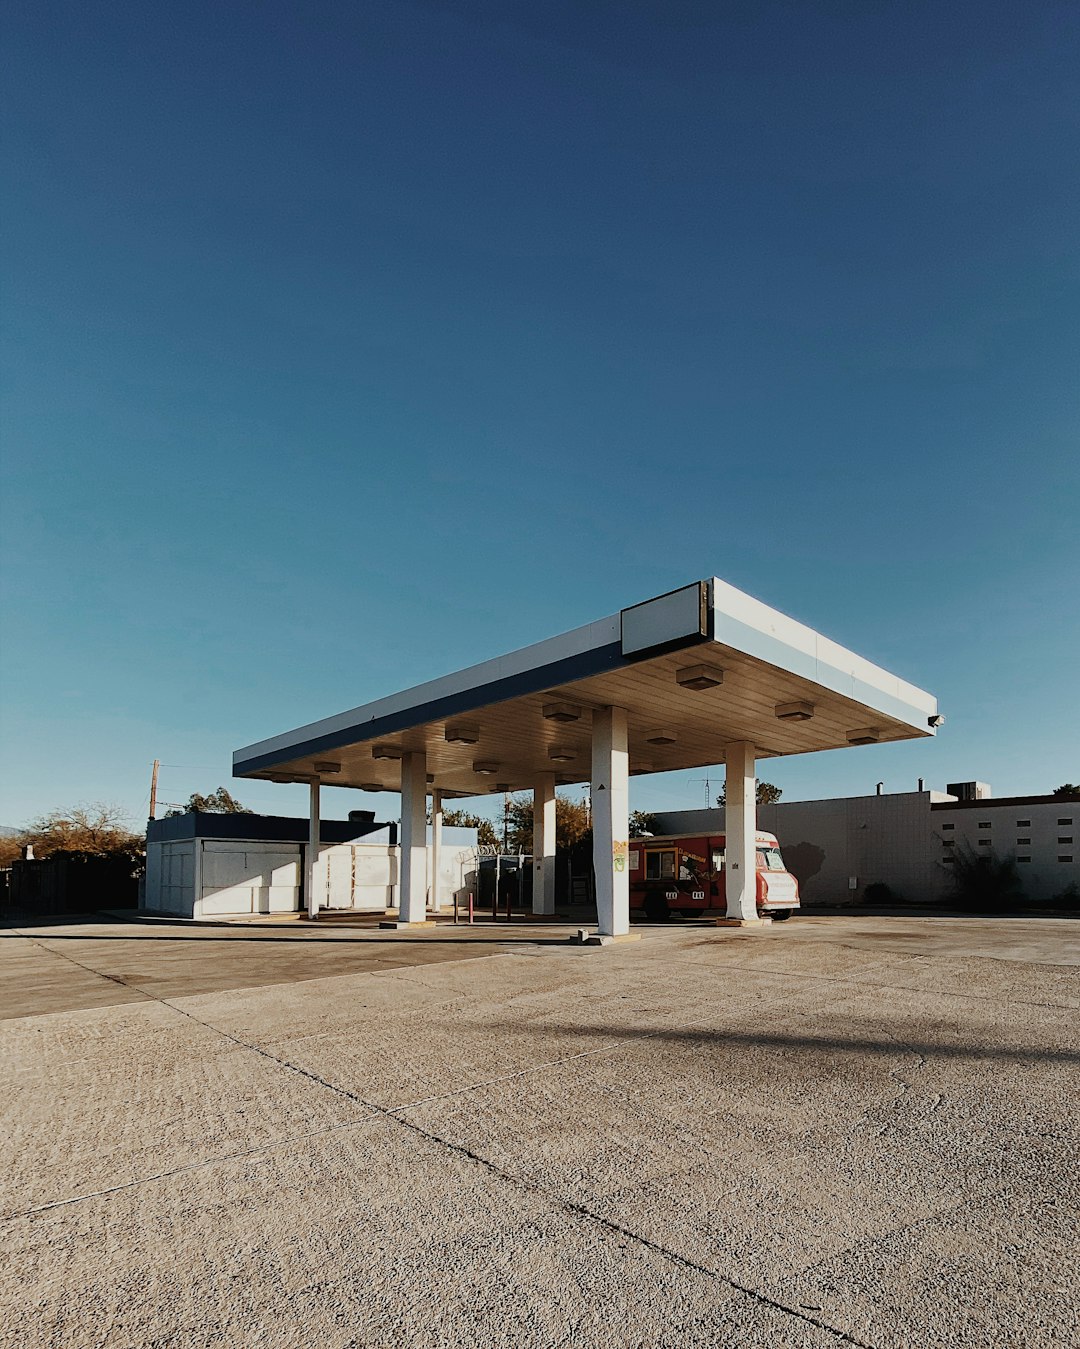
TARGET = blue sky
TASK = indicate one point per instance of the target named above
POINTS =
(346, 345)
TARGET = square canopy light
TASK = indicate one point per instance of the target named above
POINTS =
(640, 766)
(794, 711)
(660, 737)
(699, 676)
(485, 767)
(386, 752)
(372, 787)
(562, 712)
(869, 735)
(325, 766)
(561, 754)
(460, 734)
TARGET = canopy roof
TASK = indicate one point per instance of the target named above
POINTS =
(765, 679)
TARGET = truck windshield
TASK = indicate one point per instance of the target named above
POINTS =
(769, 859)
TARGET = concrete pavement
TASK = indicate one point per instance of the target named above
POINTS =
(837, 1131)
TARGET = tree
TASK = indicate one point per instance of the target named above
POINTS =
(1066, 792)
(96, 830)
(572, 824)
(767, 794)
(221, 802)
(641, 824)
(463, 819)
(982, 880)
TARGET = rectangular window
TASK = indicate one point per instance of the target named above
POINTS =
(948, 858)
(1064, 821)
(660, 866)
(1064, 840)
(948, 826)
(984, 824)
(1023, 842)
(1065, 859)
(984, 843)
(1023, 859)
(948, 843)
(1023, 824)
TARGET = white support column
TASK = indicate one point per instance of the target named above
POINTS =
(740, 829)
(311, 871)
(412, 889)
(610, 817)
(543, 888)
(436, 847)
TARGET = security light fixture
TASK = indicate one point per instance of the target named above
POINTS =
(485, 767)
(386, 752)
(462, 735)
(700, 676)
(562, 712)
(935, 721)
(325, 766)
(561, 755)
(794, 711)
(660, 737)
(869, 735)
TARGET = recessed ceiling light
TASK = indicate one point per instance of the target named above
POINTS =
(372, 787)
(386, 752)
(325, 766)
(660, 737)
(794, 711)
(562, 712)
(700, 676)
(561, 755)
(870, 735)
(485, 767)
(462, 735)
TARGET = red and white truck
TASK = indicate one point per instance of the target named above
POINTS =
(685, 874)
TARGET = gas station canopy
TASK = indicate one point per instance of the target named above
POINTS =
(695, 670)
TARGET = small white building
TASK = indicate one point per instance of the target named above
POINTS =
(904, 840)
(205, 865)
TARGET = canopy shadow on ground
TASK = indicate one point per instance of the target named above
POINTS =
(772, 1040)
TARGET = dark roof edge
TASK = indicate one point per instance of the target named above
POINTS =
(989, 802)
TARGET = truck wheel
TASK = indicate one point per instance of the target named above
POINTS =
(656, 909)
(781, 916)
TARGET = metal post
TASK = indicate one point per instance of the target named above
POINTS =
(436, 845)
(313, 849)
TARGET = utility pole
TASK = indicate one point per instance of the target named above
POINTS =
(153, 788)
